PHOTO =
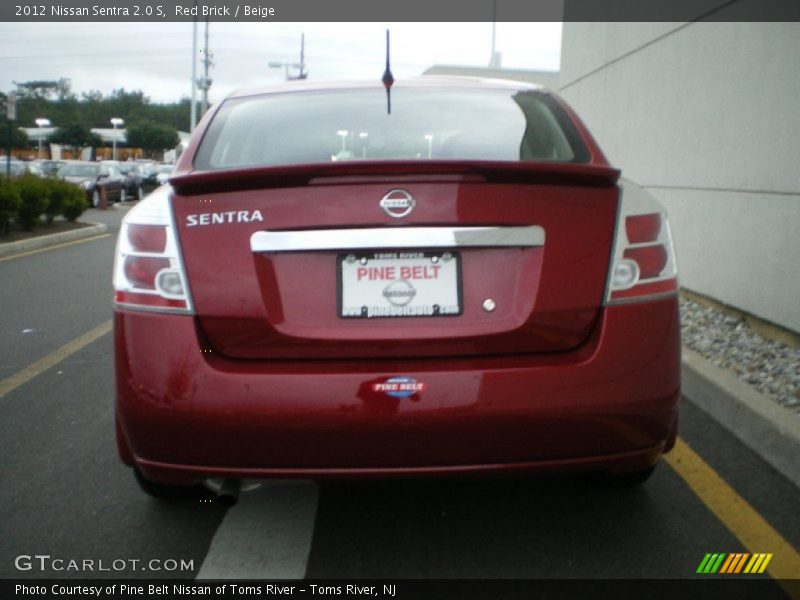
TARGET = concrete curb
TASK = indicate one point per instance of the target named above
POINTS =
(769, 429)
(45, 241)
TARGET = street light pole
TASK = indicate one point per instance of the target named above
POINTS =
(193, 108)
(11, 114)
(302, 74)
(116, 122)
(41, 122)
(205, 82)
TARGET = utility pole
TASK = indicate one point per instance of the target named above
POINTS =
(205, 82)
(494, 61)
(193, 109)
(11, 114)
(302, 74)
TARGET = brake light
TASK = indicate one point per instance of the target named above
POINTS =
(141, 271)
(643, 228)
(643, 262)
(148, 269)
(651, 260)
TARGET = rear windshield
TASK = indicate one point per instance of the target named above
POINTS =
(349, 125)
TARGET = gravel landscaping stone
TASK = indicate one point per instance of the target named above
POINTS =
(729, 342)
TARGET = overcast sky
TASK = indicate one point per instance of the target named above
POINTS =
(156, 57)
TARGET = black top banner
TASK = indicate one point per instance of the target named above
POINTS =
(397, 10)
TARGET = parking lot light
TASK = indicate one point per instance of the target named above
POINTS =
(40, 123)
(116, 122)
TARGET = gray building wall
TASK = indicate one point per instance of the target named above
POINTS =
(707, 117)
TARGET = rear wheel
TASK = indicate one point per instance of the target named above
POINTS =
(96, 198)
(163, 491)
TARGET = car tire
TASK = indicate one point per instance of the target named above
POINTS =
(171, 493)
(96, 198)
(139, 193)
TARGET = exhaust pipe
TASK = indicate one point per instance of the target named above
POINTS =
(228, 493)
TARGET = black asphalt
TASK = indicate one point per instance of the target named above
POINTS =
(65, 493)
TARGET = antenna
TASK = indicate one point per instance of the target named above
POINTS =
(302, 64)
(388, 78)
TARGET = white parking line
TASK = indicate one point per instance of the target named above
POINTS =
(267, 535)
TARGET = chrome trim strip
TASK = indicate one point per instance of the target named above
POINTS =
(397, 237)
(643, 298)
(126, 306)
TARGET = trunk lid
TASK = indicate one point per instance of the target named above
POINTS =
(329, 241)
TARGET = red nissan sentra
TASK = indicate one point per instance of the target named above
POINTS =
(457, 283)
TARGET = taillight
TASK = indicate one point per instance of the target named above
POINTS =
(643, 262)
(641, 229)
(141, 271)
(652, 260)
(148, 270)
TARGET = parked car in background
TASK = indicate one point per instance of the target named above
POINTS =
(155, 175)
(147, 172)
(95, 179)
(50, 168)
(326, 289)
(163, 173)
(133, 178)
(20, 167)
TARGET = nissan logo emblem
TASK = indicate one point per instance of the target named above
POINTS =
(399, 293)
(398, 203)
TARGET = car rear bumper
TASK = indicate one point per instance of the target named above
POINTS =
(185, 413)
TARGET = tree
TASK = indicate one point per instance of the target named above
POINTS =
(18, 137)
(151, 137)
(76, 136)
(60, 89)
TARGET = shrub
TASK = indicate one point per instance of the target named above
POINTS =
(34, 196)
(74, 202)
(9, 203)
(61, 193)
(56, 193)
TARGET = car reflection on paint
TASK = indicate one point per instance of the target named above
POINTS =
(463, 285)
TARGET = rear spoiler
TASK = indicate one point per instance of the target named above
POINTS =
(545, 173)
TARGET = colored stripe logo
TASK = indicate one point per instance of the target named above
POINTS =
(729, 564)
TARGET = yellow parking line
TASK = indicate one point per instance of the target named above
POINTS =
(41, 365)
(64, 245)
(735, 512)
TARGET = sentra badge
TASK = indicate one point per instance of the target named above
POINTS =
(398, 203)
(221, 218)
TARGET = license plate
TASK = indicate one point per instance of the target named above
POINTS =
(399, 284)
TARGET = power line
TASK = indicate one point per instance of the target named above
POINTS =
(89, 54)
